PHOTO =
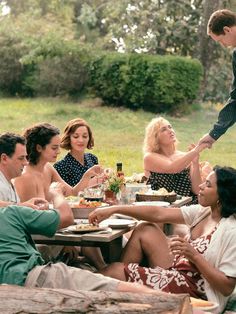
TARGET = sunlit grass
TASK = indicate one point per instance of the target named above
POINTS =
(118, 132)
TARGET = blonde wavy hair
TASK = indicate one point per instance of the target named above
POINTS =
(151, 139)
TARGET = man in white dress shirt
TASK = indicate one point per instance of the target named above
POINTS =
(12, 161)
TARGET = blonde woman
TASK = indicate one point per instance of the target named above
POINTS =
(167, 167)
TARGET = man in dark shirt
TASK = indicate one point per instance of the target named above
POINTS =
(222, 28)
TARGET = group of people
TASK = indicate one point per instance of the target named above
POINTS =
(203, 263)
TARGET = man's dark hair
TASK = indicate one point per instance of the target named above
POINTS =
(8, 143)
(226, 189)
(39, 134)
(219, 19)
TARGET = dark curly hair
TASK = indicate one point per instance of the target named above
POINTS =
(226, 189)
(70, 128)
(8, 143)
(39, 134)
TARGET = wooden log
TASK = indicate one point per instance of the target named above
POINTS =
(22, 300)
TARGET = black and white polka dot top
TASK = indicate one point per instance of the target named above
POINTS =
(71, 170)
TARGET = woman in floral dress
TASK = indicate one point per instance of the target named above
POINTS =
(204, 263)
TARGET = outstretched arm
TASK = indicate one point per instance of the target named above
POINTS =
(158, 163)
(227, 115)
(83, 183)
(148, 213)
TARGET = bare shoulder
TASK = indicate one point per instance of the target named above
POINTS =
(49, 168)
(51, 172)
(24, 178)
(151, 155)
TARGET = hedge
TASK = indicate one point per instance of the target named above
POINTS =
(54, 66)
(154, 83)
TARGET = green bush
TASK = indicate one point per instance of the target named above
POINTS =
(154, 83)
(105, 78)
(12, 49)
(56, 67)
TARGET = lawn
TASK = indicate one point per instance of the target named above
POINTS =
(118, 132)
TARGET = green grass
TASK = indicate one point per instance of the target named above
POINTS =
(118, 132)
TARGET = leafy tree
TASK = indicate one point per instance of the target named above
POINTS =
(150, 26)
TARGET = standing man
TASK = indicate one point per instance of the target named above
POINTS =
(222, 28)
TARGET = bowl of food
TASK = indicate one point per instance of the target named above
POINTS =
(159, 195)
(82, 208)
(137, 187)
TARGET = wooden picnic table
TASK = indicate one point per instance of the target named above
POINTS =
(110, 243)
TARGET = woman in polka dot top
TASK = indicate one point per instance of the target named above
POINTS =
(77, 137)
(167, 167)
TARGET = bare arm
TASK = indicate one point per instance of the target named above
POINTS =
(158, 163)
(59, 203)
(215, 277)
(195, 173)
(83, 183)
(35, 203)
(148, 213)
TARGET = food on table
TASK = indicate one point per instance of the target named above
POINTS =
(161, 191)
(159, 195)
(82, 203)
(85, 226)
(136, 178)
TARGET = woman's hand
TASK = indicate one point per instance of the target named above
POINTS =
(179, 246)
(200, 147)
(57, 188)
(94, 171)
(100, 214)
(36, 203)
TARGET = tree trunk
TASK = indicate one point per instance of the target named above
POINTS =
(15, 299)
(206, 44)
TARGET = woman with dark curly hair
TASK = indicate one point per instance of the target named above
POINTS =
(43, 147)
(77, 137)
(203, 263)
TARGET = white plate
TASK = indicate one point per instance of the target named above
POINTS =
(85, 228)
(118, 223)
(121, 216)
(156, 203)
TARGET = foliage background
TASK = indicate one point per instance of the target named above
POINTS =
(176, 27)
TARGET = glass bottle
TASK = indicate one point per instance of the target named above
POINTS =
(119, 170)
